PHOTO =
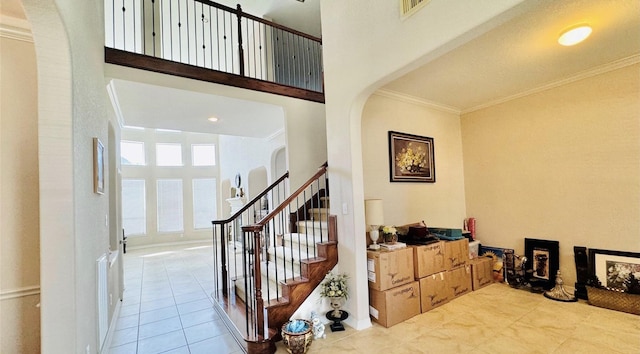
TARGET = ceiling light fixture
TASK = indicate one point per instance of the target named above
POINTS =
(212, 119)
(574, 35)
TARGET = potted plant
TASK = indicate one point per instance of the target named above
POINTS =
(334, 287)
(390, 234)
(297, 336)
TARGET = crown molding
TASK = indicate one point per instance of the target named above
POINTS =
(15, 28)
(398, 96)
(19, 292)
(618, 64)
(275, 134)
(614, 65)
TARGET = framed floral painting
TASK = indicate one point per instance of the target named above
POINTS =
(411, 158)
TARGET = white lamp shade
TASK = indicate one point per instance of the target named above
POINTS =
(373, 211)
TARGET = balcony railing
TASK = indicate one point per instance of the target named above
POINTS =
(208, 35)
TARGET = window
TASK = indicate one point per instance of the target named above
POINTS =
(132, 153)
(169, 154)
(204, 202)
(170, 215)
(134, 219)
(203, 155)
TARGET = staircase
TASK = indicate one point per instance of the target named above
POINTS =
(291, 250)
(283, 258)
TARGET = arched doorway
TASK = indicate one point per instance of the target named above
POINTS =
(279, 163)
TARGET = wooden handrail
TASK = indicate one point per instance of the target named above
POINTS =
(231, 47)
(260, 224)
(253, 201)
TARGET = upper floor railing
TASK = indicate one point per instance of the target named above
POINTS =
(213, 36)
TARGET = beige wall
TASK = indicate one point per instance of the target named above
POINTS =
(19, 198)
(562, 164)
(380, 47)
(438, 204)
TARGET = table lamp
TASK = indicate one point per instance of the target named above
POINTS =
(374, 217)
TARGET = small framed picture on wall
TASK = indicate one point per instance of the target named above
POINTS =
(98, 166)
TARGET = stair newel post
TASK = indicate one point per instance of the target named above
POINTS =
(257, 275)
(240, 50)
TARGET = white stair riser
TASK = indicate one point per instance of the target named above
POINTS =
(293, 243)
(319, 214)
(313, 230)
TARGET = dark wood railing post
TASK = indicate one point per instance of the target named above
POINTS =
(257, 275)
(223, 260)
(240, 50)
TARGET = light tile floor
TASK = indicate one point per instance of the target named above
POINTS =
(167, 309)
(167, 305)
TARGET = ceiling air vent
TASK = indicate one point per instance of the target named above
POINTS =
(409, 7)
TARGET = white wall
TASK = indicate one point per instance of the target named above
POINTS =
(151, 173)
(439, 204)
(72, 110)
(563, 164)
(19, 192)
(243, 154)
(379, 47)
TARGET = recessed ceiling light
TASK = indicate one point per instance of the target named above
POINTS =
(212, 119)
(574, 35)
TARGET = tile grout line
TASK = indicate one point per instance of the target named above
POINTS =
(177, 309)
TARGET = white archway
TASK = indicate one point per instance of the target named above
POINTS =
(57, 235)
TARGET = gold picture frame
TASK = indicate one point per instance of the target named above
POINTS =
(98, 166)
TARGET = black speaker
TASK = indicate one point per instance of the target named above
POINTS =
(582, 271)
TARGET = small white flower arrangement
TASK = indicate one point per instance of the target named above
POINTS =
(390, 234)
(334, 285)
(391, 230)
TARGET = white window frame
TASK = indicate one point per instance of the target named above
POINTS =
(135, 142)
(160, 205)
(198, 194)
(158, 156)
(144, 207)
(193, 155)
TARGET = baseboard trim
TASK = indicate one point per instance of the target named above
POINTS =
(169, 244)
(19, 292)
(112, 328)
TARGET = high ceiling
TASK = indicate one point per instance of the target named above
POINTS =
(523, 55)
(516, 58)
(152, 106)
